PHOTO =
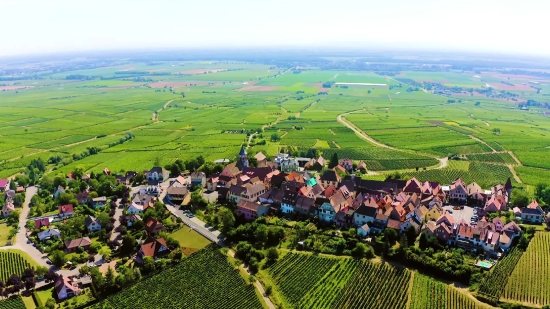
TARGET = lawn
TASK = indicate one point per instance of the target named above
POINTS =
(4, 234)
(190, 238)
(29, 302)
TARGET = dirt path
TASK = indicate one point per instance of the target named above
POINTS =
(484, 143)
(409, 291)
(442, 161)
(336, 144)
(257, 284)
(486, 123)
(389, 97)
(331, 132)
(515, 158)
(513, 171)
(361, 134)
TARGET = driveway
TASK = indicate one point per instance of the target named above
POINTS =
(465, 213)
(21, 237)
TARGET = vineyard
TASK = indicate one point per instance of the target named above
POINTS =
(12, 303)
(375, 286)
(491, 286)
(502, 157)
(11, 263)
(296, 274)
(203, 280)
(530, 280)
(429, 293)
(486, 175)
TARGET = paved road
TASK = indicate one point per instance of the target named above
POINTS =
(21, 237)
(196, 224)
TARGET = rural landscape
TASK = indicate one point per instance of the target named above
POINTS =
(250, 182)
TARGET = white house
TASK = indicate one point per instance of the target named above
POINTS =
(7, 209)
(48, 234)
(158, 174)
(364, 214)
(286, 163)
(92, 224)
(60, 190)
(136, 208)
(66, 288)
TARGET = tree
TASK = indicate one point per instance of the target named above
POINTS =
(148, 264)
(226, 219)
(520, 198)
(423, 241)
(275, 137)
(390, 235)
(359, 250)
(272, 255)
(84, 270)
(333, 161)
(105, 253)
(411, 235)
(50, 303)
(59, 181)
(41, 271)
(260, 235)
(58, 258)
(29, 284)
(128, 244)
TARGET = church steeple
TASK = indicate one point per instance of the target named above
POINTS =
(243, 159)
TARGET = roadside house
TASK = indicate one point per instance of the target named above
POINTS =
(155, 248)
(251, 211)
(92, 224)
(72, 245)
(66, 288)
(48, 234)
(65, 210)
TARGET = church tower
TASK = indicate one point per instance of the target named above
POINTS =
(242, 161)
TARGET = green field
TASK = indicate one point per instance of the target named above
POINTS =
(490, 287)
(203, 280)
(530, 279)
(145, 99)
(190, 238)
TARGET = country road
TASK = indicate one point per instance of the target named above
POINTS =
(257, 284)
(21, 237)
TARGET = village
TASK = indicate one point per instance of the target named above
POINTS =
(124, 223)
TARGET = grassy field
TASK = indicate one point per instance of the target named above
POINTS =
(4, 234)
(222, 96)
(190, 238)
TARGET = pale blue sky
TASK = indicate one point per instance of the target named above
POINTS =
(505, 26)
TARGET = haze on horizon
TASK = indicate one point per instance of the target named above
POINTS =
(500, 26)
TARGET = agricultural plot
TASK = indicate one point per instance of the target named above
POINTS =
(491, 286)
(504, 158)
(530, 279)
(430, 293)
(12, 263)
(12, 303)
(375, 286)
(203, 280)
(485, 174)
(532, 176)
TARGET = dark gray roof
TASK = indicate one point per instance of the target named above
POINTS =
(329, 176)
(367, 211)
(290, 197)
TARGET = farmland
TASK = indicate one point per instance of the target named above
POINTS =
(12, 263)
(530, 279)
(309, 281)
(491, 285)
(203, 280)
(429, 293)
(12, 303)
(220, 97)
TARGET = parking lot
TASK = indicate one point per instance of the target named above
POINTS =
(458, 214)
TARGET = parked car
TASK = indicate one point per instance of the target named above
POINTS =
(48, 262)
(191, 215)
(450, 211)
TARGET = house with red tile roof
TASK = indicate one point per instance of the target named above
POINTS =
(250, 210)
(413, 186)
(65, 287)
(155, 248)
(153, 226)
(65, 210)
(39, 223)
(457, 191)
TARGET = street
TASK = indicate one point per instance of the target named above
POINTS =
(21, 237)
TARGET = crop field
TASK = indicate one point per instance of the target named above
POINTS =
(530, 279)
(203, 280)
(428, 293)
(338, 283)
(491, 287)
(12, 303)
(12, 263)
(185, 109)
(485, 174)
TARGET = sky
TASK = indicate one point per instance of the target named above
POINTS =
(503, 26)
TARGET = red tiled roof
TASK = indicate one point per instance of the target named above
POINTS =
(152, 247)
(79, 242)
(66, 208)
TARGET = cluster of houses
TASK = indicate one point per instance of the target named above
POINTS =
(285, 186)
(9, 197)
